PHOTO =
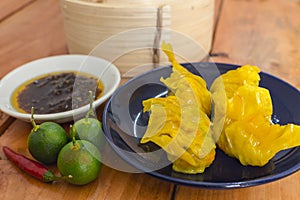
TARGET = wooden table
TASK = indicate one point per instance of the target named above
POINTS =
(261, 32)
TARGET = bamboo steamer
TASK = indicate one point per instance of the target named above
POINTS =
(129, 32)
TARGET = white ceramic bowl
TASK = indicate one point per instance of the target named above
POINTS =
(102, 69)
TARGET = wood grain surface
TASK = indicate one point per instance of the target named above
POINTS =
(261, 32)
(35, 31)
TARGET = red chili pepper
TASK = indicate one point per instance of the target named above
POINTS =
(29, 166)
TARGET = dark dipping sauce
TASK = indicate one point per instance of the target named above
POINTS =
(57, 92)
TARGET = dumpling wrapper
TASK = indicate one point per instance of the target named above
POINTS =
(247, 132)
(180, 123)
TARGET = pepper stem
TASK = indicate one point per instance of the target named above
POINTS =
(35, 127)
(90, 112)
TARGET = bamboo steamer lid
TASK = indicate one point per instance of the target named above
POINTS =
(129, 32)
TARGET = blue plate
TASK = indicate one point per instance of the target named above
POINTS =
(124, 124)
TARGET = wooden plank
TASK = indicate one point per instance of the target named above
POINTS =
(217, 13)
(9, 7)
(275, 190)
(5, 121)
(263, 33)
(111, 184)
(35, 31)
(18, 38)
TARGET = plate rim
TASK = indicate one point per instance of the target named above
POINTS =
(201, 184)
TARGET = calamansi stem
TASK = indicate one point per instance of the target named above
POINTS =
(63, 178)
(72, 134)
(90, 112)
(35, 127)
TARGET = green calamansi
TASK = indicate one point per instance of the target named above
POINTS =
(90, 128)
(46, 140)
(80, 161)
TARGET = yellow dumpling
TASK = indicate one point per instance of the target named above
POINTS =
(180, 123)
(247, 132)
